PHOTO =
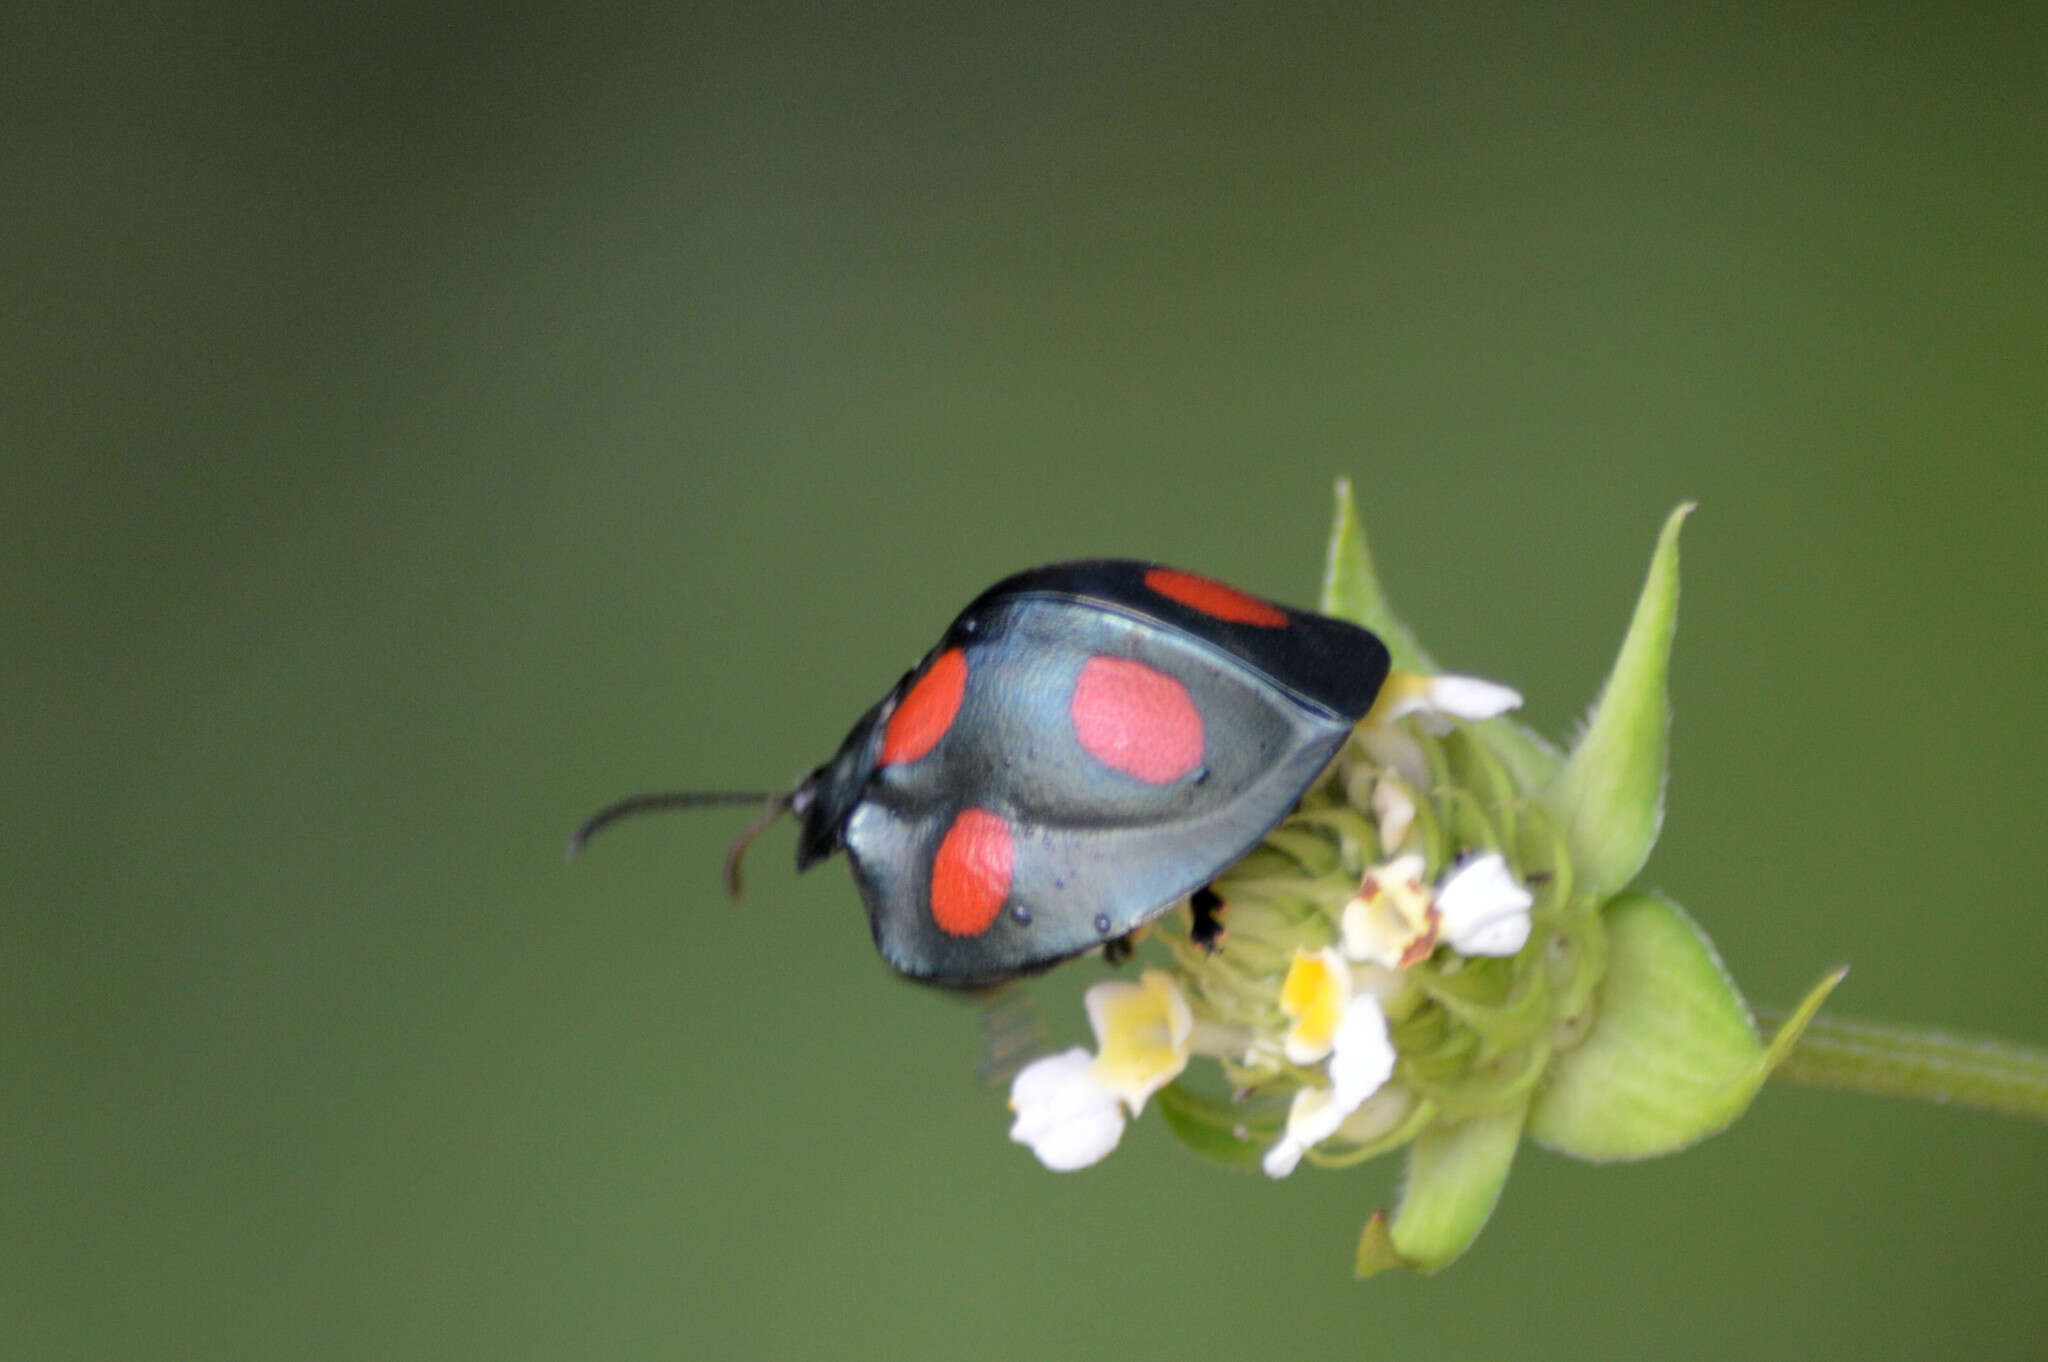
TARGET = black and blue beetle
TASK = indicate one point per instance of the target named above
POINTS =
(1089, 744)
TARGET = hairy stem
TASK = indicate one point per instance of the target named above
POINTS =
(1898, 1061)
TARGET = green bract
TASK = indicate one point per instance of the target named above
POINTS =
(1673, 1055)
(1614, 1033)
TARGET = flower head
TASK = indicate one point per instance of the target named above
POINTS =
(1395, 919)
(1332, 1022)
(1071, 1106)
(1522, 987)
(1142, 1030)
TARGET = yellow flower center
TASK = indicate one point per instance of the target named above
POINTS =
(1401, 693)
(1314, 995)
(1141, 1031)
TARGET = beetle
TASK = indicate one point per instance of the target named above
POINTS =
(1087, 745)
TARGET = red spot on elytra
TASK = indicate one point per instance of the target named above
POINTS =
(1215, 599)
(971, 873)
(1136, 720)
(925, 713)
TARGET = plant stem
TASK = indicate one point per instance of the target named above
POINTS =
(1897, 1061)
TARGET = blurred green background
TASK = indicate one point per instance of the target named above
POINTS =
(424, 423)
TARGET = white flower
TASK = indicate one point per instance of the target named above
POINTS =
(1071, 1107)
(1141, 1032)
(1331, 1020)
(1437, 702)
(1393, 919)
(1484, 911)
(1396, 920)
(1067, 1117)
(1441, 698)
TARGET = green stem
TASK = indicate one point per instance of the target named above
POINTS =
(1896, 1061)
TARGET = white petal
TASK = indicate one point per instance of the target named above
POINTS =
(1081, 1141)
(1452, 697)
(1361, 940)
(1282, 1158)
(1044, 1080)
(1364, 1055)
(1485, 911)
(1395, 810)
(1361, 1063)
(1068, 1119)
(1314, 1116)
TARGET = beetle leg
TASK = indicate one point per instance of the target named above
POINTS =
(1206, 906)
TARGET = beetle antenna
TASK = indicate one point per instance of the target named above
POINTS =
(675, 799)
(778, 805)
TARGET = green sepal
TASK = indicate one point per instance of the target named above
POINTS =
(1794, 1026)
(1215, 1128)
(1610, 794)
(1351, 587)
(1476, 766)
(1351, 591)
(1455, 1174)
(1358, 839)
(1528, 756)
(1541, 860)
(1672, 1056)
